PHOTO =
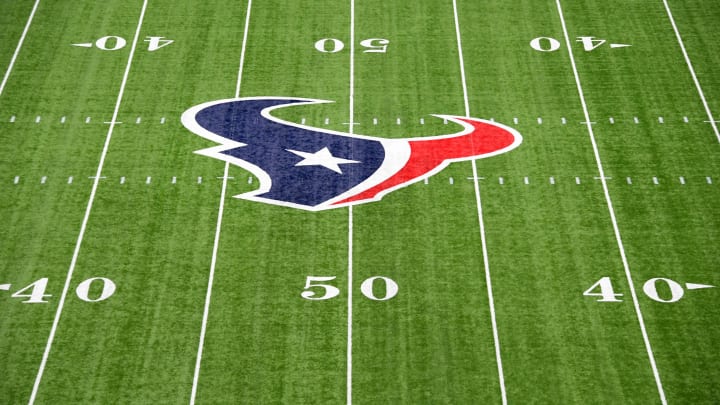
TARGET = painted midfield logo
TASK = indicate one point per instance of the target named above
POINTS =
(317, 169)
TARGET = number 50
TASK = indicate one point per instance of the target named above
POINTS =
(313, 287)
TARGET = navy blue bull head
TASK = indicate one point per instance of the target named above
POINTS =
(316, 169)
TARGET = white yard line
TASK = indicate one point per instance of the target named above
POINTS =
(611, 210)
(692, 71)
(483, 240)
(218, 227)
(351, 130)
(88, 209)
(17, 49)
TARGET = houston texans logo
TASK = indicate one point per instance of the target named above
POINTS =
(317, 169)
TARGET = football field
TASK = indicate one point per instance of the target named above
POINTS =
(369, 202)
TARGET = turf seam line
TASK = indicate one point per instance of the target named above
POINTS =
(692, 70)
(88, 209)
(218, 228)
(17, 49)
(611, 210)
(481, 223)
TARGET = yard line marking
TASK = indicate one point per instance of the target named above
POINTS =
(692, 70)
(17, 48)
(218, 227)
(351, 130)
(96, 182)
(611, 210)
(481, 222)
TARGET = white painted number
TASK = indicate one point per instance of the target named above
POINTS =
(391, 288)
(337, 45)
(37, 292)
(375, 45)
(606, 293)
(676, 290)
(372, 45)
(545, 44)
(83, 289)
(118, 43)
(590, 43)
(155, 43)
(329, 290)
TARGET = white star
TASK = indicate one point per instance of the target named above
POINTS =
(323, 158)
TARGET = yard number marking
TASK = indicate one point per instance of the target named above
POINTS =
(548, 44)
(35, 291)
(603, 288)
(113, 43)
(333, 45)
(330, 291)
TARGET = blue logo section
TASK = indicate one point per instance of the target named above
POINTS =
(307, 167)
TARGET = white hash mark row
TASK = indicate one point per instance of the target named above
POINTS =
(552, 180)
(398, 121)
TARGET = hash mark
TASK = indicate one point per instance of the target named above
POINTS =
(629, 181)
(137, 121)
(162, 120)
(682, 180)
(709, 180)
(374, 121)
(425, 180)
(17, 180)
(12, 119)
(563, 120)
(43, 179)
(147, 181)
(655, 180)
(87, 120)
(70, 180)
(612, 120)
(661, 120)
(199, 179)
(62, 119)
(37, 119)
(174, 180)
(515, 120)
(526, 180)
(637, 121)
(122, 180)
(577, 180)
(539, 120)
(398, 121)
(422, 121)
(552, 180)
(302, 121)
(452, 181)
(501, 181)
(686, 120)
(327, 121)
(250, 179)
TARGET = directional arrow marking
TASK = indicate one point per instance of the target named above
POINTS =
(619, 45)
(5, 287)
(691, 286)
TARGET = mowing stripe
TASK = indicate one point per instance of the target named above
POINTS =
(17, 49)
(218, 227)
(481, 223)
(692, 70)
(88, 209)
(351, 129)
(611, 210)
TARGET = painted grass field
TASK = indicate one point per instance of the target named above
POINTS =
(578, 268)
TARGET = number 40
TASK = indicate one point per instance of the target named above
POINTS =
(330, 291)
(606, 292)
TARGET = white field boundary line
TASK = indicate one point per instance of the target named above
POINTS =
(481, 222)
(351, 130)
(218, 228)
(88, 209)
(692, 70)
(17, 49)
(611, 210)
